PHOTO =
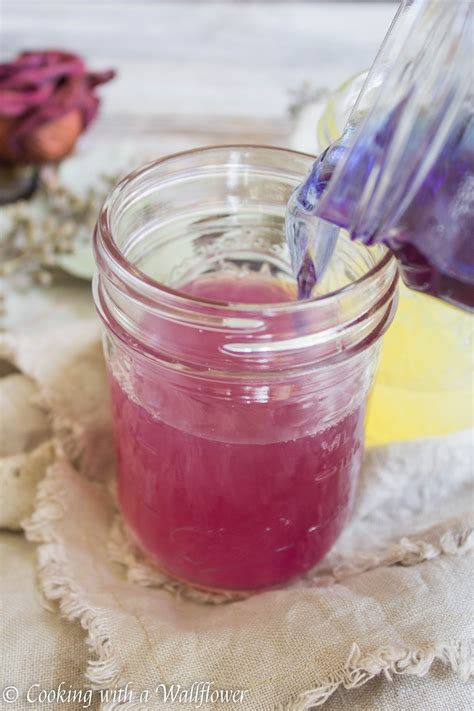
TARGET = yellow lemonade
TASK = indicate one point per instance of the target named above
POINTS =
(425, 382)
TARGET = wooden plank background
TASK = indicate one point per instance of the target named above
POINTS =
(192, 74)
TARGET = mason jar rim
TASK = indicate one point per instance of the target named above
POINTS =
(106, 249)
(331, 327)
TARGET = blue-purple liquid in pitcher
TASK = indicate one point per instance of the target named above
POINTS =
(432, 239)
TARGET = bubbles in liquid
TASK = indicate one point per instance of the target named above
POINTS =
(202, 477)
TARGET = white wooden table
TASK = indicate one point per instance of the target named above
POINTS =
(191, 74)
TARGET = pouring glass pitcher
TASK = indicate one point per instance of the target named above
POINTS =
(425, 381)
(403, 170)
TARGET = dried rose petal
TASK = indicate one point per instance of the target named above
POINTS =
(40, 89)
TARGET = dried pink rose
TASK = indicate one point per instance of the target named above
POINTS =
(47, 100)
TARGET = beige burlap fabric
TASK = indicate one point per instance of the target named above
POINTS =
(392, 598)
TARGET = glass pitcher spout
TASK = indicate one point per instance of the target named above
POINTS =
(402, 173)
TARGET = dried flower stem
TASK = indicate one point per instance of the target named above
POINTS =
(55, 222)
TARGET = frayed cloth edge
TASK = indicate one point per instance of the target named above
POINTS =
(57, 582)
(362, 667)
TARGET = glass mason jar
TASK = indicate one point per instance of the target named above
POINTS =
(238, 426)
(424, 385)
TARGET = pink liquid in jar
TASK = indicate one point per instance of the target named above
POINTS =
(249, 509)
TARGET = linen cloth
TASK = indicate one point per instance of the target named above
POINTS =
(392, 597)
(57, 653)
